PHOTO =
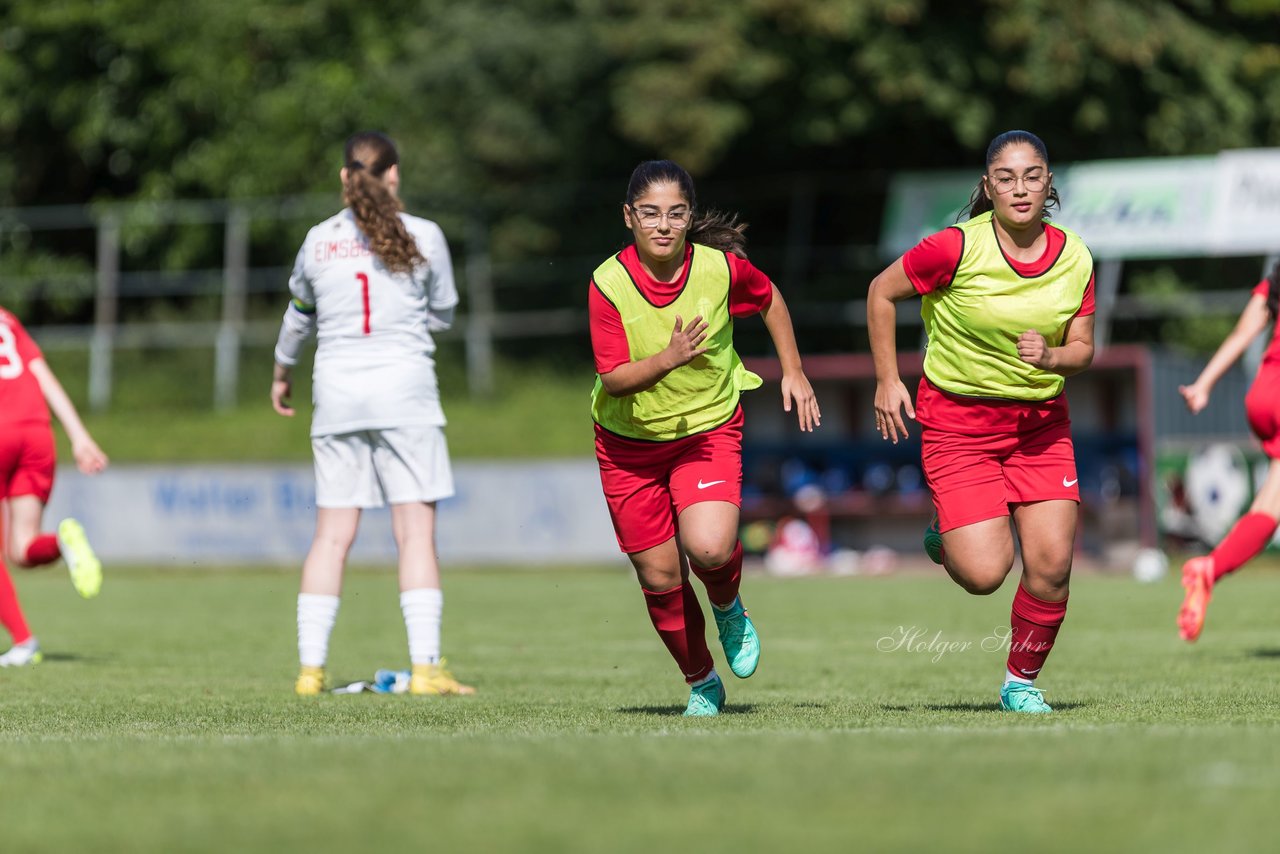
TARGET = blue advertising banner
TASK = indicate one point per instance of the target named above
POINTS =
(510, 512)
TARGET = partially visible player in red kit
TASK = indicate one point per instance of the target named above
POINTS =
(668, 421)
(1007, 302)
(28, 391)
(1254, 530)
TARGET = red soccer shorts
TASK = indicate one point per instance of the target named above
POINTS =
(648, 484)
(981, 455)
(27, 460)
(1262, 409)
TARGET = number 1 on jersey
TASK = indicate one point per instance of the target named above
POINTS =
(363, 279)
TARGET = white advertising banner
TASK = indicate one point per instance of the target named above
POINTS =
(1247, 202)
(1228, 204)
(504, 512)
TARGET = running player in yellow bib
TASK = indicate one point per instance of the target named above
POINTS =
(1008, 308)
(668, 423)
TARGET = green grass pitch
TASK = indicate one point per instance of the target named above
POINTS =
(163, 720)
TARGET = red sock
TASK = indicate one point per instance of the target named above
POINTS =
(678, 618)
(1246, 538)
(1035, 624)
(43, 549)
(10, 611)
(722, 582)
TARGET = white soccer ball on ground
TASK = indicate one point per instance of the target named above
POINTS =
(1150, 565)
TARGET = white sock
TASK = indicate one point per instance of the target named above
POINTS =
(316, 616)
(704, 680)
(422, 609)
(1010, 676)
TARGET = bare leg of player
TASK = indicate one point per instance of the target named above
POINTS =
(321, 588)
(421, 600)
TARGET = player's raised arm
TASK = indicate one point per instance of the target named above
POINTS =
(684, 346)
(89, 457)
(892, 399)
(1253, 320)
(795, 385)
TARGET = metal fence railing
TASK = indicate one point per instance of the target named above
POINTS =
(244, 300)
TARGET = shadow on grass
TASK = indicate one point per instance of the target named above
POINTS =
(1265, 652)
(970, 707)
(70, 656)
(678, 711)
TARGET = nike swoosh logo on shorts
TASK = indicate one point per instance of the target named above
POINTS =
(1069, 483)
(702, 485)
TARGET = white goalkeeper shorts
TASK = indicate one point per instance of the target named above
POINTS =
(373, 468)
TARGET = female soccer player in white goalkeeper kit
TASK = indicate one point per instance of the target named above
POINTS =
(372, 283)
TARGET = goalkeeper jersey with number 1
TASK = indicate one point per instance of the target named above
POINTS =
(374, 365)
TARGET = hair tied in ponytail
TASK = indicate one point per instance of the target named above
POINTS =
(375, 207)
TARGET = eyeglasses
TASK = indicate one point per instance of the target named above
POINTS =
(650, 218)
(1005, 183)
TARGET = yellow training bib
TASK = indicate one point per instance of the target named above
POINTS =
(973, 324)
(692, 398)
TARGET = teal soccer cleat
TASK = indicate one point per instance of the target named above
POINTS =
(1019, 697)
(706, 700)
(933, 541)
(738, 638)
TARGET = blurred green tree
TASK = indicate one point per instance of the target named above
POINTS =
(531, 115)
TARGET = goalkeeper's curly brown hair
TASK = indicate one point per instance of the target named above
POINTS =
(367, 157)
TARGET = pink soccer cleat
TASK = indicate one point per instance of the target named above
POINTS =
(1197, 579)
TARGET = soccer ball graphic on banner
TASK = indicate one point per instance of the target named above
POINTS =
(1218, 489)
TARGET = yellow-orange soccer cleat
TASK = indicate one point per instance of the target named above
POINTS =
(436, 679)
(310, 681)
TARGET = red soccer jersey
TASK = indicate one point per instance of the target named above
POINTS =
(20, 397)
(932, 262)
(1272, 355)
(750, 292)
